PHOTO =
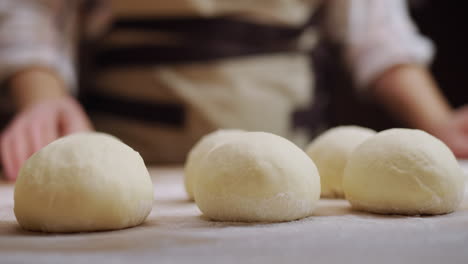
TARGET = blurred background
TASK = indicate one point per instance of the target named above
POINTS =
(441, 21)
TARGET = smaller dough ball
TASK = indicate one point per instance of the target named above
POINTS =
(404, 171)
(330, 152)
(83, 182)
(203, 146)
(256, 177)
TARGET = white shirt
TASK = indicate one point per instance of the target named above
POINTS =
(376, 35)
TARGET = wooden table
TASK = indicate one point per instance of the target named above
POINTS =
(175, 232)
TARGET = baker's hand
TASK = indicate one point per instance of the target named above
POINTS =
(36, 126)
(454, 132)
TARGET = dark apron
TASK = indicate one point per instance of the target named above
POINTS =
(199, 40)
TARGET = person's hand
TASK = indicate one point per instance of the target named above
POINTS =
(454, 132)
(36, 126)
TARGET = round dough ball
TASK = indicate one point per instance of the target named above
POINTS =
(256, 177)
(403, 171)
(83, 182)
(330, 152)
(203, 146)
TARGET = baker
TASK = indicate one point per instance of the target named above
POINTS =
(160, 74)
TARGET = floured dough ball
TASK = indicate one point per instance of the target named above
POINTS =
(403, 171)
(83, 182)
(256, 177)
(203, 146)
(330, 152)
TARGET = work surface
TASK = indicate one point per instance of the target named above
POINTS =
(176, 232)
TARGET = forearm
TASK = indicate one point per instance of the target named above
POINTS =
(34, 85)
(411, 95)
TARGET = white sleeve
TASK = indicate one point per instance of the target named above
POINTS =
(376, 35)
(36, 33)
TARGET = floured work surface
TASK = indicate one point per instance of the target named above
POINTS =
(176, 232)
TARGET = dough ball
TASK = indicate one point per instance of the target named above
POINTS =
(203, 146)
(403, 171)
(256, 177)
(330, 152)
(83, 182)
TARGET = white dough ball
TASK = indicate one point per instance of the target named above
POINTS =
(203, 146)
(403, 171)
(83, 182)
(256, 177)
(330, 153)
